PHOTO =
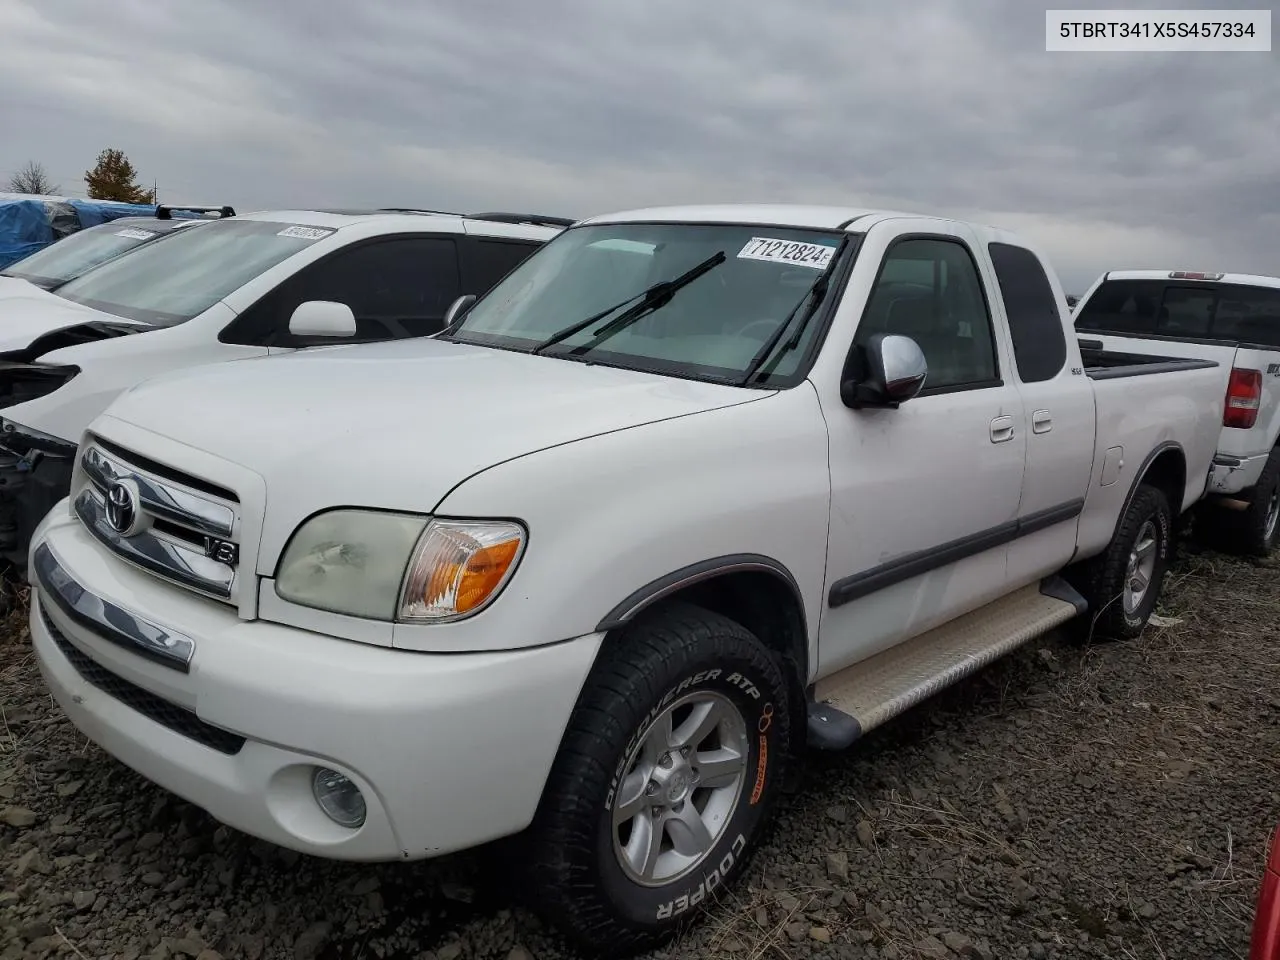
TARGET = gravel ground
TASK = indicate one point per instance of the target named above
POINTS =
(1103, 802)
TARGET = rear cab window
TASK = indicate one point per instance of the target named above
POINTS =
(1234, 312)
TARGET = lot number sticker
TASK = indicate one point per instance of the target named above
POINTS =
(131, 234)
(787, 251)
(304, 233)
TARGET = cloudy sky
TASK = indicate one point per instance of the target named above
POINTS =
(576, 107)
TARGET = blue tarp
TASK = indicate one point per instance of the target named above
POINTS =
(94, 212)
(29, 223)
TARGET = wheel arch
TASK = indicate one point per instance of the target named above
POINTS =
(1165, 469)
(755, 590)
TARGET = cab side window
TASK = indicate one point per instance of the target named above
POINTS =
(397, 287)
(485, 261)
(929, 289)
(1035, 323)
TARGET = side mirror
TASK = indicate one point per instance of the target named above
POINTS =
(458, 308)
(894, 371)
(322, 318)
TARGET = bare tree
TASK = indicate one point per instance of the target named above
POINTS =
(33, 179)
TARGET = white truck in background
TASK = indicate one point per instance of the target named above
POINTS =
(687, 487)
(1234, 320)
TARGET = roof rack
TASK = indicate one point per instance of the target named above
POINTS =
(534, 219)
(164, 211)
(442, 213)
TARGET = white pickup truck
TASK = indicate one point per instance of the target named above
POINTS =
(246, 286)
(1234, 320)
(685, 487)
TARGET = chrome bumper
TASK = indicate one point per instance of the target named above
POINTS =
(108, 621)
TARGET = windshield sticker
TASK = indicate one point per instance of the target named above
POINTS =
(813, 255)
(304, 233)
(131, 234)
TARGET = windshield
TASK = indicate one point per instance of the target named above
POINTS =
(169, 283)
(76, 253)
(711, 327)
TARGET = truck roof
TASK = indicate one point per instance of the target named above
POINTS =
(797, 215)
(1247, 279)
(775, 214)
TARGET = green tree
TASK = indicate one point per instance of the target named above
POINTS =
(112, 178)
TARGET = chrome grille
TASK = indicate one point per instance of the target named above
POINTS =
(169, 525)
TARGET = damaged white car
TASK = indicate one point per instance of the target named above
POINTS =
(248, 286)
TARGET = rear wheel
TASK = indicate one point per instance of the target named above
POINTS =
(1252, 531)
(1123, 584)
(668, 770)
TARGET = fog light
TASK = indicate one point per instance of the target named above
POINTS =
(338, 797)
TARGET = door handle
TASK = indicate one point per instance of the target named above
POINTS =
(1041, 422)
(1001, 429)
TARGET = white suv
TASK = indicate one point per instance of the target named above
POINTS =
(248, 286)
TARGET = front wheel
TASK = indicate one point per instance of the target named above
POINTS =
(1123, 584)
(669, 768)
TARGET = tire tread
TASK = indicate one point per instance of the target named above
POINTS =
(557, 852)
(1243, 533)
(1104, 575)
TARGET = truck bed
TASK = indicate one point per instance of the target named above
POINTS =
(1144, 403)
(1103, 364)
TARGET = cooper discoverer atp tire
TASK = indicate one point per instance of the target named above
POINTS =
(670, 766)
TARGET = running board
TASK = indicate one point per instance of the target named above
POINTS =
(863, 696)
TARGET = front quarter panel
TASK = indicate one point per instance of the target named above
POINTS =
(110, 367)
(611, 514)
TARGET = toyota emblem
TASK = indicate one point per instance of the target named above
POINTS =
(123, 514)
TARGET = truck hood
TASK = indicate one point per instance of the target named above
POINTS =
(27, 313)
(396, 425)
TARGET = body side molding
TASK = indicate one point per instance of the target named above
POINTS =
(848, 589)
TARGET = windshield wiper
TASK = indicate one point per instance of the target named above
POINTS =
(814, 296)
(651, 299)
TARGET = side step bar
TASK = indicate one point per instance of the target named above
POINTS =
(865, 695)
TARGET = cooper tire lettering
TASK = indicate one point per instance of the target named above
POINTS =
(662, 658)
(708, 883)
(766, 718)
(761, 764)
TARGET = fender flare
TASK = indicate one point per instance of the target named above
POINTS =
(1159, 449)
(687, 576)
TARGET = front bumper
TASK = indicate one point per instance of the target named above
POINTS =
(449, 751)
(1232, 475)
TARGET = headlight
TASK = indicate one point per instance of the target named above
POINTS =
(393, 566)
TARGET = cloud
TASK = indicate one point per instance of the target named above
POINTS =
(579, 107)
